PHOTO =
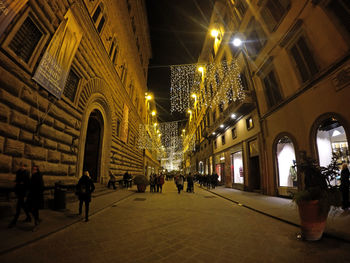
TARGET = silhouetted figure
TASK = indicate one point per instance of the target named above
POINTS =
(36, 194)
(190, 184)
(179, 181)
(160, 182)
(111, 180)
(85, 187)
(344, 185)
(21, 190)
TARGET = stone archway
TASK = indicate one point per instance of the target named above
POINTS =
(93, 143)
(98, 111)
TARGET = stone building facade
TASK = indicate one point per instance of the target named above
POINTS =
(90, 121)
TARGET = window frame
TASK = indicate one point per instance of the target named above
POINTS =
(297, 70)
(247, 122)
(33, 60)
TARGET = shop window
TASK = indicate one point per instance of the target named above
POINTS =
(285, 153)
(25, 40)
(234, 133)
(223, 139)
(271, 88)
(71, 86)
(341, 10)
(237, 173)
(257, 37)
(249, 123)
(274, 11)
(331, 138)
(303, 59)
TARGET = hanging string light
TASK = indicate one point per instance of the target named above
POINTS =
(215, 83)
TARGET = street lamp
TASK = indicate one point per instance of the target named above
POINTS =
(214, 33)
(237, 42)
(154, 113)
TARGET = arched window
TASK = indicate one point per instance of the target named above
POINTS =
(331, 138)
(285, 154)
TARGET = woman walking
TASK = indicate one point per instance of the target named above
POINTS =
(36, 193)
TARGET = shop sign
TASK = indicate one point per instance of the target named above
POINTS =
(54, 67)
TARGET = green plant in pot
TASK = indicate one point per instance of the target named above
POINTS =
(141, 182)
(316, 199)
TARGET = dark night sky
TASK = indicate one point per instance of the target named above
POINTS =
(177, 29)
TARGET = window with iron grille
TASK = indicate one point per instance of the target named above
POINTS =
(25, 40)
(71, 86)
(223, 139)
(100, 25)
(271, 88)
(96, 14)
(274, 11)
(118, 128)
(341, 9)
(215, 144)
(303, 59)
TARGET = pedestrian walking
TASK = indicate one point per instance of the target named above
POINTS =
(160, 182)
(36, 194)
(190, 184)
(21, 190)
(152, 183)
(85, 187)
(344, 185)
(179, 181)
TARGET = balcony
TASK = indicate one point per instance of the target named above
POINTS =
(239, 108)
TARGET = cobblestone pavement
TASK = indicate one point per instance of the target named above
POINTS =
(172, 227)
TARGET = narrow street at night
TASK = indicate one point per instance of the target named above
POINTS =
(172, 227)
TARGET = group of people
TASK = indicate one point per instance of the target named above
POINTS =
(180, 181)
(210, 181)
(29, 189)
(156, 181)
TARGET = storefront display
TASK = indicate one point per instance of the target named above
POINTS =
(237, 167)
(287, 174)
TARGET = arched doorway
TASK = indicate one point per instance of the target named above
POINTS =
(331, 138)
(286, 160)
(93, 142)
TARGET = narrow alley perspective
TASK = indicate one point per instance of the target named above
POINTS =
(171, 227)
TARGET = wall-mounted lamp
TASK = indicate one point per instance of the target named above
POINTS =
(237, 42)
(233, 116)
(154, 113)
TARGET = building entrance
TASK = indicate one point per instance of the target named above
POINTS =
(254, 170)
(93, 141)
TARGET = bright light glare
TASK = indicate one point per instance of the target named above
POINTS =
(213, 133)
(214, 33)
(233, 116)
(149, 97)
(222, 126)
(201, 69)
(237, 42)
(153, 113)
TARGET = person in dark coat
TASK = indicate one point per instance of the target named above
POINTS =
(190, 184)
(85, 187)
(111, 180)
(160, 182)
(344, 185)
(36, 193)
(21, 190)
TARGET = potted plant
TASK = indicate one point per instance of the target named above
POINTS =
(317, 197)
(141, 182)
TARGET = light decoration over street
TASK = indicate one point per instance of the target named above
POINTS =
(164, 140)
(214, 83)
